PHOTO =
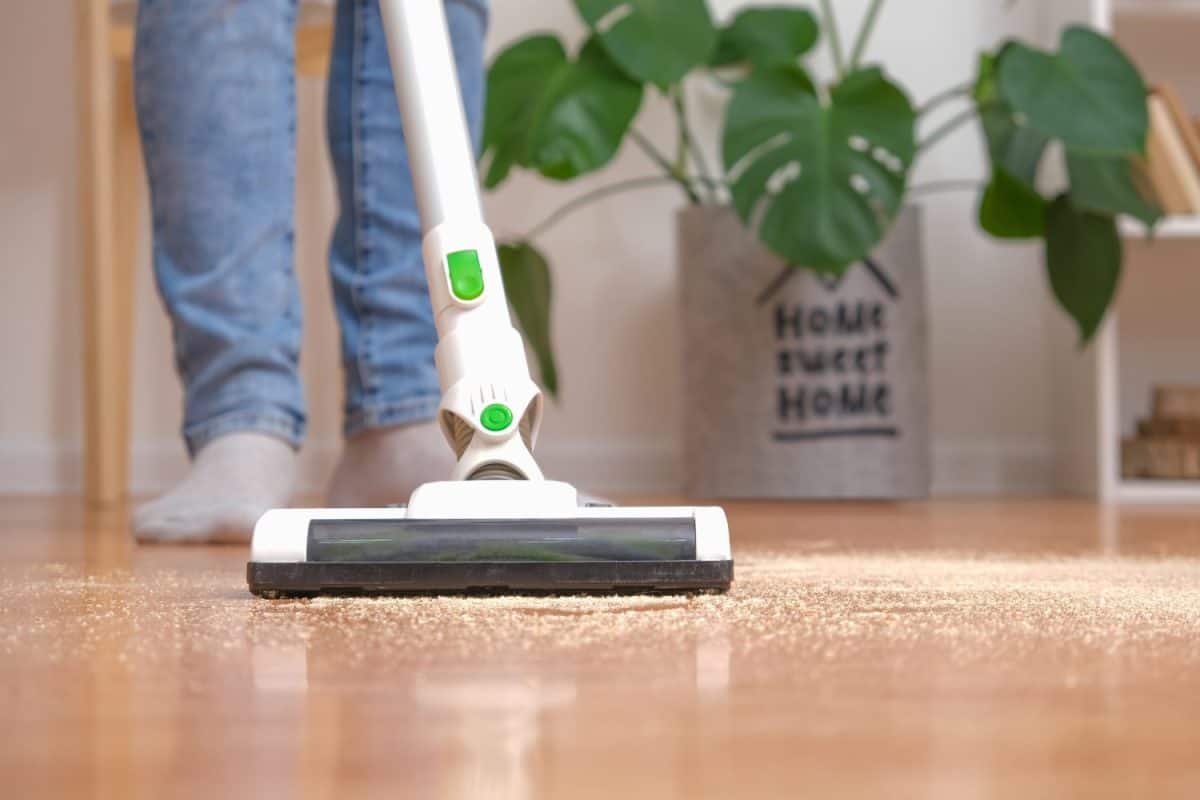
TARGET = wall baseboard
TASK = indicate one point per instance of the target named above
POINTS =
(961, 467)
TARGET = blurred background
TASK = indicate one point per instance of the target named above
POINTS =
(1008, 384)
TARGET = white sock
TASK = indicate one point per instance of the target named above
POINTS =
(382, 467)
(233, 480)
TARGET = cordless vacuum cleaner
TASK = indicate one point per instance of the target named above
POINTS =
(497, 525)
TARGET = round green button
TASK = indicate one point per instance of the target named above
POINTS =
(496, 417)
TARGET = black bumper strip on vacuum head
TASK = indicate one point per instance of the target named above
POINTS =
(304, 579)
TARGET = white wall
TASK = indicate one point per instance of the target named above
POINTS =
(615, 282)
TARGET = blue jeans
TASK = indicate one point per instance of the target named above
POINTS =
(216, 106)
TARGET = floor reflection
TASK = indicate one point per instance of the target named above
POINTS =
(512, 726)
(496, 721)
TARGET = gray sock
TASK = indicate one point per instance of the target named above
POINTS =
(381, 467)
(232, 481)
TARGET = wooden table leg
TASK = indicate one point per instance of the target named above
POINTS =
(108, 302)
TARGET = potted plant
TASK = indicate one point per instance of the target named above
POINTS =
(803, 285)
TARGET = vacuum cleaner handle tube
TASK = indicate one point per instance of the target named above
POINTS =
(491, 408)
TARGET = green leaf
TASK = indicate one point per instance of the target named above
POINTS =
(1012, 145)
(1088, 94)
(767, 37)
(527, 283)
(1106, 185)
(821, 182)
(1011, 206)
(654, 41)
(1010, 209)
(1083, 260)
(517, 80)
(583, 114)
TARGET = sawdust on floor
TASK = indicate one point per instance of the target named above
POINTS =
(822, 608)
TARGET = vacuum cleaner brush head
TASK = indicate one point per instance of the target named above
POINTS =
(516, 548)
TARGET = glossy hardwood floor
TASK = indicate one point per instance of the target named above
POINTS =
(958, 650)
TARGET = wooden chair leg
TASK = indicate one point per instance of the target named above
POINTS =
(107, 286)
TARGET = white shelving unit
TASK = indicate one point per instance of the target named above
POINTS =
(1099, 391)
(1174, 228)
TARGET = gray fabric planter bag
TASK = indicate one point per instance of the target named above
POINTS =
(819, 390)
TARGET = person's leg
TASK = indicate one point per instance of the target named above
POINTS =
(214, 86)
(382, 300)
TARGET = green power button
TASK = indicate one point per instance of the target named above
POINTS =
(466, 275)
(496, 417)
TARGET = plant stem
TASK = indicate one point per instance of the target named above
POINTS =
(835, 39)
(688, 140)
(681, 144)
(664, 164)
(864, 33)
(945, 130)
(650, 150)
(933, 187)
(588, 198)
(935, 102)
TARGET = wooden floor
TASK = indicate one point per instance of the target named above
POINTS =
(958, 650)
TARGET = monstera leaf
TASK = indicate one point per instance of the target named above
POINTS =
(1011, 207)
(652, 40)
(1105, 184)
(1019, 129)
(1012, 145)
(527, 283)
(820, 180)
(1092, 100)
(766, 37)
(516, 82)
(1088, 94)
(560, 117)
(1083, 260)
(583, 115)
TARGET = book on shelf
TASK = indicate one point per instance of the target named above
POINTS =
(1182, 120)
(1169, 165)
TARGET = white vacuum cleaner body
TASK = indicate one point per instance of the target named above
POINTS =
(497, 525)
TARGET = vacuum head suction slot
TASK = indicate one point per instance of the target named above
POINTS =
(500, 540)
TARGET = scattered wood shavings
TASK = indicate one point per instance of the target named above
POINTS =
(800, 611)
